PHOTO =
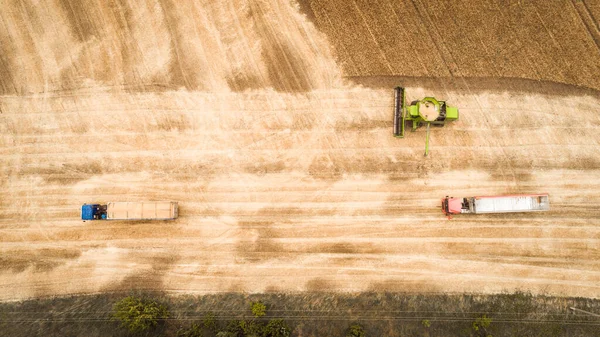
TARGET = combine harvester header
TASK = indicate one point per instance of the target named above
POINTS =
(147, 210)
(496, 204)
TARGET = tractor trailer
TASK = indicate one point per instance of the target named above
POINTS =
(146, 210)
(496, 204)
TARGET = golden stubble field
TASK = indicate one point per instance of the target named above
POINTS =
(286, 172)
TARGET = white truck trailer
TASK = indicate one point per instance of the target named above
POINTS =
(496, 204)
(141, 210)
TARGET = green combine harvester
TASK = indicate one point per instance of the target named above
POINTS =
(428, 111)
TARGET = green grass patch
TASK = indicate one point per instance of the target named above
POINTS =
(313, 314)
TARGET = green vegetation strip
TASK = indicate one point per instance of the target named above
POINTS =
(303, 314)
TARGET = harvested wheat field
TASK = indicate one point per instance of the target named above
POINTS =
(270, 122)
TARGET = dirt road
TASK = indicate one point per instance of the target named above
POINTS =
(286, 172)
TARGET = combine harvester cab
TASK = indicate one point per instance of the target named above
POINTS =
(148, 210)
(496, 204)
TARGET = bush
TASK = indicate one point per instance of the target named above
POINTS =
(139, 315)
(277, 328)
(355, 330)
(258, 309)
(252, 328)
(481, 324)
(233, 329)
(210, 322)
(194, 331)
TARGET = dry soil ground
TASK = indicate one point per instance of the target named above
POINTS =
(286, 172)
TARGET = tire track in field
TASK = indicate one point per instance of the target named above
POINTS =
(588, 20)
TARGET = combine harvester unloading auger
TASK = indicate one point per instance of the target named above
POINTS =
(428, 111)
